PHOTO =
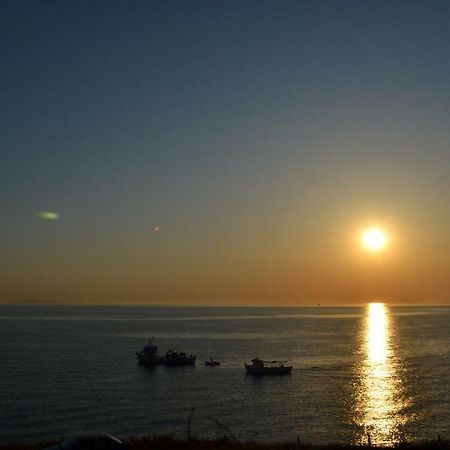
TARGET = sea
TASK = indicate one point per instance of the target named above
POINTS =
(371, 372)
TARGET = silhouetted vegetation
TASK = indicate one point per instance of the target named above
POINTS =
(170, 443)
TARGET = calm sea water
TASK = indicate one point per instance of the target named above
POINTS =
(375, 369)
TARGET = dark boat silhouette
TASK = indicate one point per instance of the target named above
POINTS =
(212, 363)
(177, 358)
(148, 356)
(260, 367)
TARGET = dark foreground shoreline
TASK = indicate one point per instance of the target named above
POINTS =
(170, 443)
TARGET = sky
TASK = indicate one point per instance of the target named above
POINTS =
(224, 152)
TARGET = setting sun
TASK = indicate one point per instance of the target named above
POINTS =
(374, 239)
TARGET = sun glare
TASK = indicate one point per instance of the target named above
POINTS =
(374, 239)
(380, 403)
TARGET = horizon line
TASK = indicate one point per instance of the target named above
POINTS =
(172, 305)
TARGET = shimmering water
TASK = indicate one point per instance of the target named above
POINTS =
(373, 370)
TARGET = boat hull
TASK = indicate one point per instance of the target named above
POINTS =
(152, 361)
(181, 361)
(212, 363)
(147, 360)
(251, 370)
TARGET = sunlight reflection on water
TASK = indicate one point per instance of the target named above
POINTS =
(380, 398)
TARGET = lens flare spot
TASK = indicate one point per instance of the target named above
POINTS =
(48, 215)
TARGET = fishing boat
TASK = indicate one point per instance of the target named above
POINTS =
(148, 356)
(260, 367)
(176, 358)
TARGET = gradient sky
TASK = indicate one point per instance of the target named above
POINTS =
(260, 136)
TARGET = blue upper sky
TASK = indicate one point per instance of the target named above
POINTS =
(244, 129)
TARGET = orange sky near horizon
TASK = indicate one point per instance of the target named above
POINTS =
(330, 266)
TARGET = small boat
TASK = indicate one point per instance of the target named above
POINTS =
(212, 363)
(176, 358)
(260, 367)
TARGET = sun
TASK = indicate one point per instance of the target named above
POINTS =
(374, 239)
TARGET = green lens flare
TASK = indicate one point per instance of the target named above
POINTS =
(49, 215)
